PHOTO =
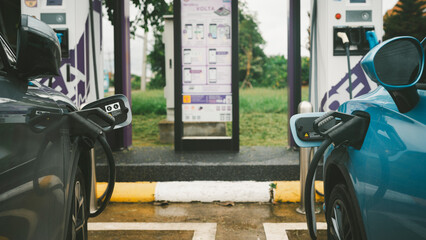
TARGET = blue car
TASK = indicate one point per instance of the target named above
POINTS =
(374, 154)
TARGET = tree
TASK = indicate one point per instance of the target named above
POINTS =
(304, 77)
(251, 55)
(150, 13)
(275, 72)
(406, 18)
(156, 58)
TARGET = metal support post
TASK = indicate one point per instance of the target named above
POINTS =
(294, 63)
(93, 199)
(121, 138)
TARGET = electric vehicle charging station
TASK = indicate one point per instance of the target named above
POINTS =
(168, 52)
(72, 23)
(330, 84)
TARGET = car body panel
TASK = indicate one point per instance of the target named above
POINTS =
(33, 165)
(388, 173)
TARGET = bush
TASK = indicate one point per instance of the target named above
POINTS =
(135, 82)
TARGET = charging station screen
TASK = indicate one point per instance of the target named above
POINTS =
(358, 1)
(54, 3)
(206, 60)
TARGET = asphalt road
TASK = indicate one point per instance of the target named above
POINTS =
(208, 221)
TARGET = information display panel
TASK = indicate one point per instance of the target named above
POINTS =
(206, 67)
(206, 60)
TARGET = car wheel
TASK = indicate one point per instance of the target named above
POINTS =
(77, 229)
(340, 214)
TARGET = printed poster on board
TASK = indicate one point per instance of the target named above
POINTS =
(206, 60)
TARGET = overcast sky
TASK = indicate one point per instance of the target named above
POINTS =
(272, 16)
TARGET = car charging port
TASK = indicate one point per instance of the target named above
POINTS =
(338, 129)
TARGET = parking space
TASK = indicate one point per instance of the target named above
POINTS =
(202, 221)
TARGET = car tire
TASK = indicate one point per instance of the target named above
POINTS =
(342, 222)
(77, 228)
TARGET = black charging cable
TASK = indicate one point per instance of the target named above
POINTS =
(339, 129)
(82, 126)
(106, 197)
(310, 208)
(345, 40)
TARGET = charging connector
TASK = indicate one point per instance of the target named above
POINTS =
(346, 44)
(344, 37)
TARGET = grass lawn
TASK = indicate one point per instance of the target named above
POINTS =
(145, 129)
(263, 116)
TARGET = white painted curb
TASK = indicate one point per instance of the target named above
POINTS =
(210, 191)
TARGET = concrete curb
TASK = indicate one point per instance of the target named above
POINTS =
(207, 191)
(164, 164)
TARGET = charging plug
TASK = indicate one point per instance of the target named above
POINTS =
(81, 126)
(344, 37)
(345, 40)
(345, 129)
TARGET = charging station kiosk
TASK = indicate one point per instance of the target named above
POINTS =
(71, 21)
(329, 86)
(206, 71)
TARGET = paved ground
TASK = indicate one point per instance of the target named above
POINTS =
(221, 221)
(150, 172)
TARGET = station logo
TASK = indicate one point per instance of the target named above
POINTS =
(31, 3)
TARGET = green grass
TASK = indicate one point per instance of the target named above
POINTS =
(151, 101)
(145, 129)
(263, 129)
(263, 100)
(263, 116)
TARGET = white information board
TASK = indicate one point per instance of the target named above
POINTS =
(206, 27)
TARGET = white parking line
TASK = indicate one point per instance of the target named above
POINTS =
(278, 231)
(202, 231)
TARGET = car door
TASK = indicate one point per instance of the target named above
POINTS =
(395, 177)
(32, 151)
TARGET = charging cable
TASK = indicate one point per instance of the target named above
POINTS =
(339, 129)
(92, 132)
(81, 126)
(106, 196)
(345, 40)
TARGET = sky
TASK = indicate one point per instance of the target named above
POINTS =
(272, 16)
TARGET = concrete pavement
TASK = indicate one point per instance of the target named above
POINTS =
(208, 221)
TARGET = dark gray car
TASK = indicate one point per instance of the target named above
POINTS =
(45, 160)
